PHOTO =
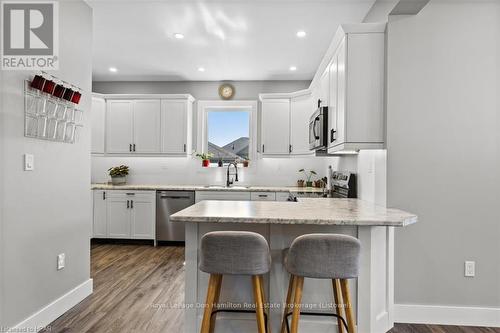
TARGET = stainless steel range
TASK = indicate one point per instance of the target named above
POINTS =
(343, 184)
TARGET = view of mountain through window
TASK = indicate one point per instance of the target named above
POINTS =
(228, 135)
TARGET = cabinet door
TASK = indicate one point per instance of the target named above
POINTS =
(143, 217)
(99, 214)
(119, 126)
(276, 127)
(332, 105)
(146, 126)
(324, 87)
(118, 216)
(174, 126)
(341, 94)
(300, 112)
(97, 116)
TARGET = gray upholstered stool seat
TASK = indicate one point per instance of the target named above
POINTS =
(322, 256)
(235, 253)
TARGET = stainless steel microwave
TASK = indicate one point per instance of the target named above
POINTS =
(318, 129)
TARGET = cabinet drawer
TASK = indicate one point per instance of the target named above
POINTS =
(263, 196)
(222, 195)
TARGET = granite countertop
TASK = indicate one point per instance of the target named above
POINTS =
(236, 188)
(321, 211)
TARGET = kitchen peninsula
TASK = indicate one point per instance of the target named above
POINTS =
(280, 223)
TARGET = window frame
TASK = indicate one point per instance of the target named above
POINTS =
(242, 105)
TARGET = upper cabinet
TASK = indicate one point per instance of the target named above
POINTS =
(176, 139)
(353, 75)
(98, 116)
(142, 124)
(275, 127)
(284, 124)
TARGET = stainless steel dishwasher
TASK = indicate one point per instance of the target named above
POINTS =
(168, 203)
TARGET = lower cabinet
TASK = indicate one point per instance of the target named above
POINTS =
(124, 214)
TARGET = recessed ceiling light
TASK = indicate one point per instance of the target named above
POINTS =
(201, 69)
(178, 35)
(293, 68)
(113, 69)
(301, 34)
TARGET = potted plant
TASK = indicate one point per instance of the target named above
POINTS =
(300, 183)
(205, 159)
(118, 174)
(308, 175)
(246, 162)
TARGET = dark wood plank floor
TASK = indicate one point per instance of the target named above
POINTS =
(135, 287)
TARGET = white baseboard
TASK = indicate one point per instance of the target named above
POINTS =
(54, 310)
(447, 315)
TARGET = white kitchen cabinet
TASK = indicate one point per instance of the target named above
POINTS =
(142, 215)
(300, 111)
(356, 105)
(124, 214)
(146, 137)
(97, 116)
(176, 126)
(119, 126)
(275, 127)
(324, 88)
(282, 196)
(118, 215)
(222, 195)
(263, 196)
(99, 226)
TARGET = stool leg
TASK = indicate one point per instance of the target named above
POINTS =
(209, 303)
(299, 284)
(216, 301)
(289, 299)
(259, 306)
(346, 295)
(264, 302)
(338, 304)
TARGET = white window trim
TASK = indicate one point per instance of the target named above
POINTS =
(243, 105)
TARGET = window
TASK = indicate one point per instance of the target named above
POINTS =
(228, 134)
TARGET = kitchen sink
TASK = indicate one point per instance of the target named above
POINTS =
(225, 187)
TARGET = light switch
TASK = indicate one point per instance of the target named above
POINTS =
(29, 162)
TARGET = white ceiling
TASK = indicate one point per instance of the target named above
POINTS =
(231, 39)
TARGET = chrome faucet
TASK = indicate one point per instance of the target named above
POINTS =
(230, 182)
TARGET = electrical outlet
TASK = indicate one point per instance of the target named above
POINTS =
(470, 268)
(61, 261)
(29, 162)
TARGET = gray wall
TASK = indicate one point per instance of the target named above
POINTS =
(47, 211)
(443, 151)
(199, 89)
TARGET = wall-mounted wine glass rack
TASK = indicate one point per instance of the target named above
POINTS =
(51, 109)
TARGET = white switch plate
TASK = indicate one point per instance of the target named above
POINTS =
(29, 162)
(61, 261)
(470, 268)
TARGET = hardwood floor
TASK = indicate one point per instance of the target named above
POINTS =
(136, 286)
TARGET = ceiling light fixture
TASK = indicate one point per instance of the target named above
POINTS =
(201, 69)
(178, 35)
(301, 34)
(113, 69)
(293, 68)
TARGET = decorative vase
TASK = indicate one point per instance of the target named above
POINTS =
(205, 163)
(245, 164)
(309, 184)
(119, 180)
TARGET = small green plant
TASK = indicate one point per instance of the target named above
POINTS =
(205, 156)
(119, 171)
(308, 174)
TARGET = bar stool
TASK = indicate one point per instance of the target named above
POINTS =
(234, 253)
(322, 256)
